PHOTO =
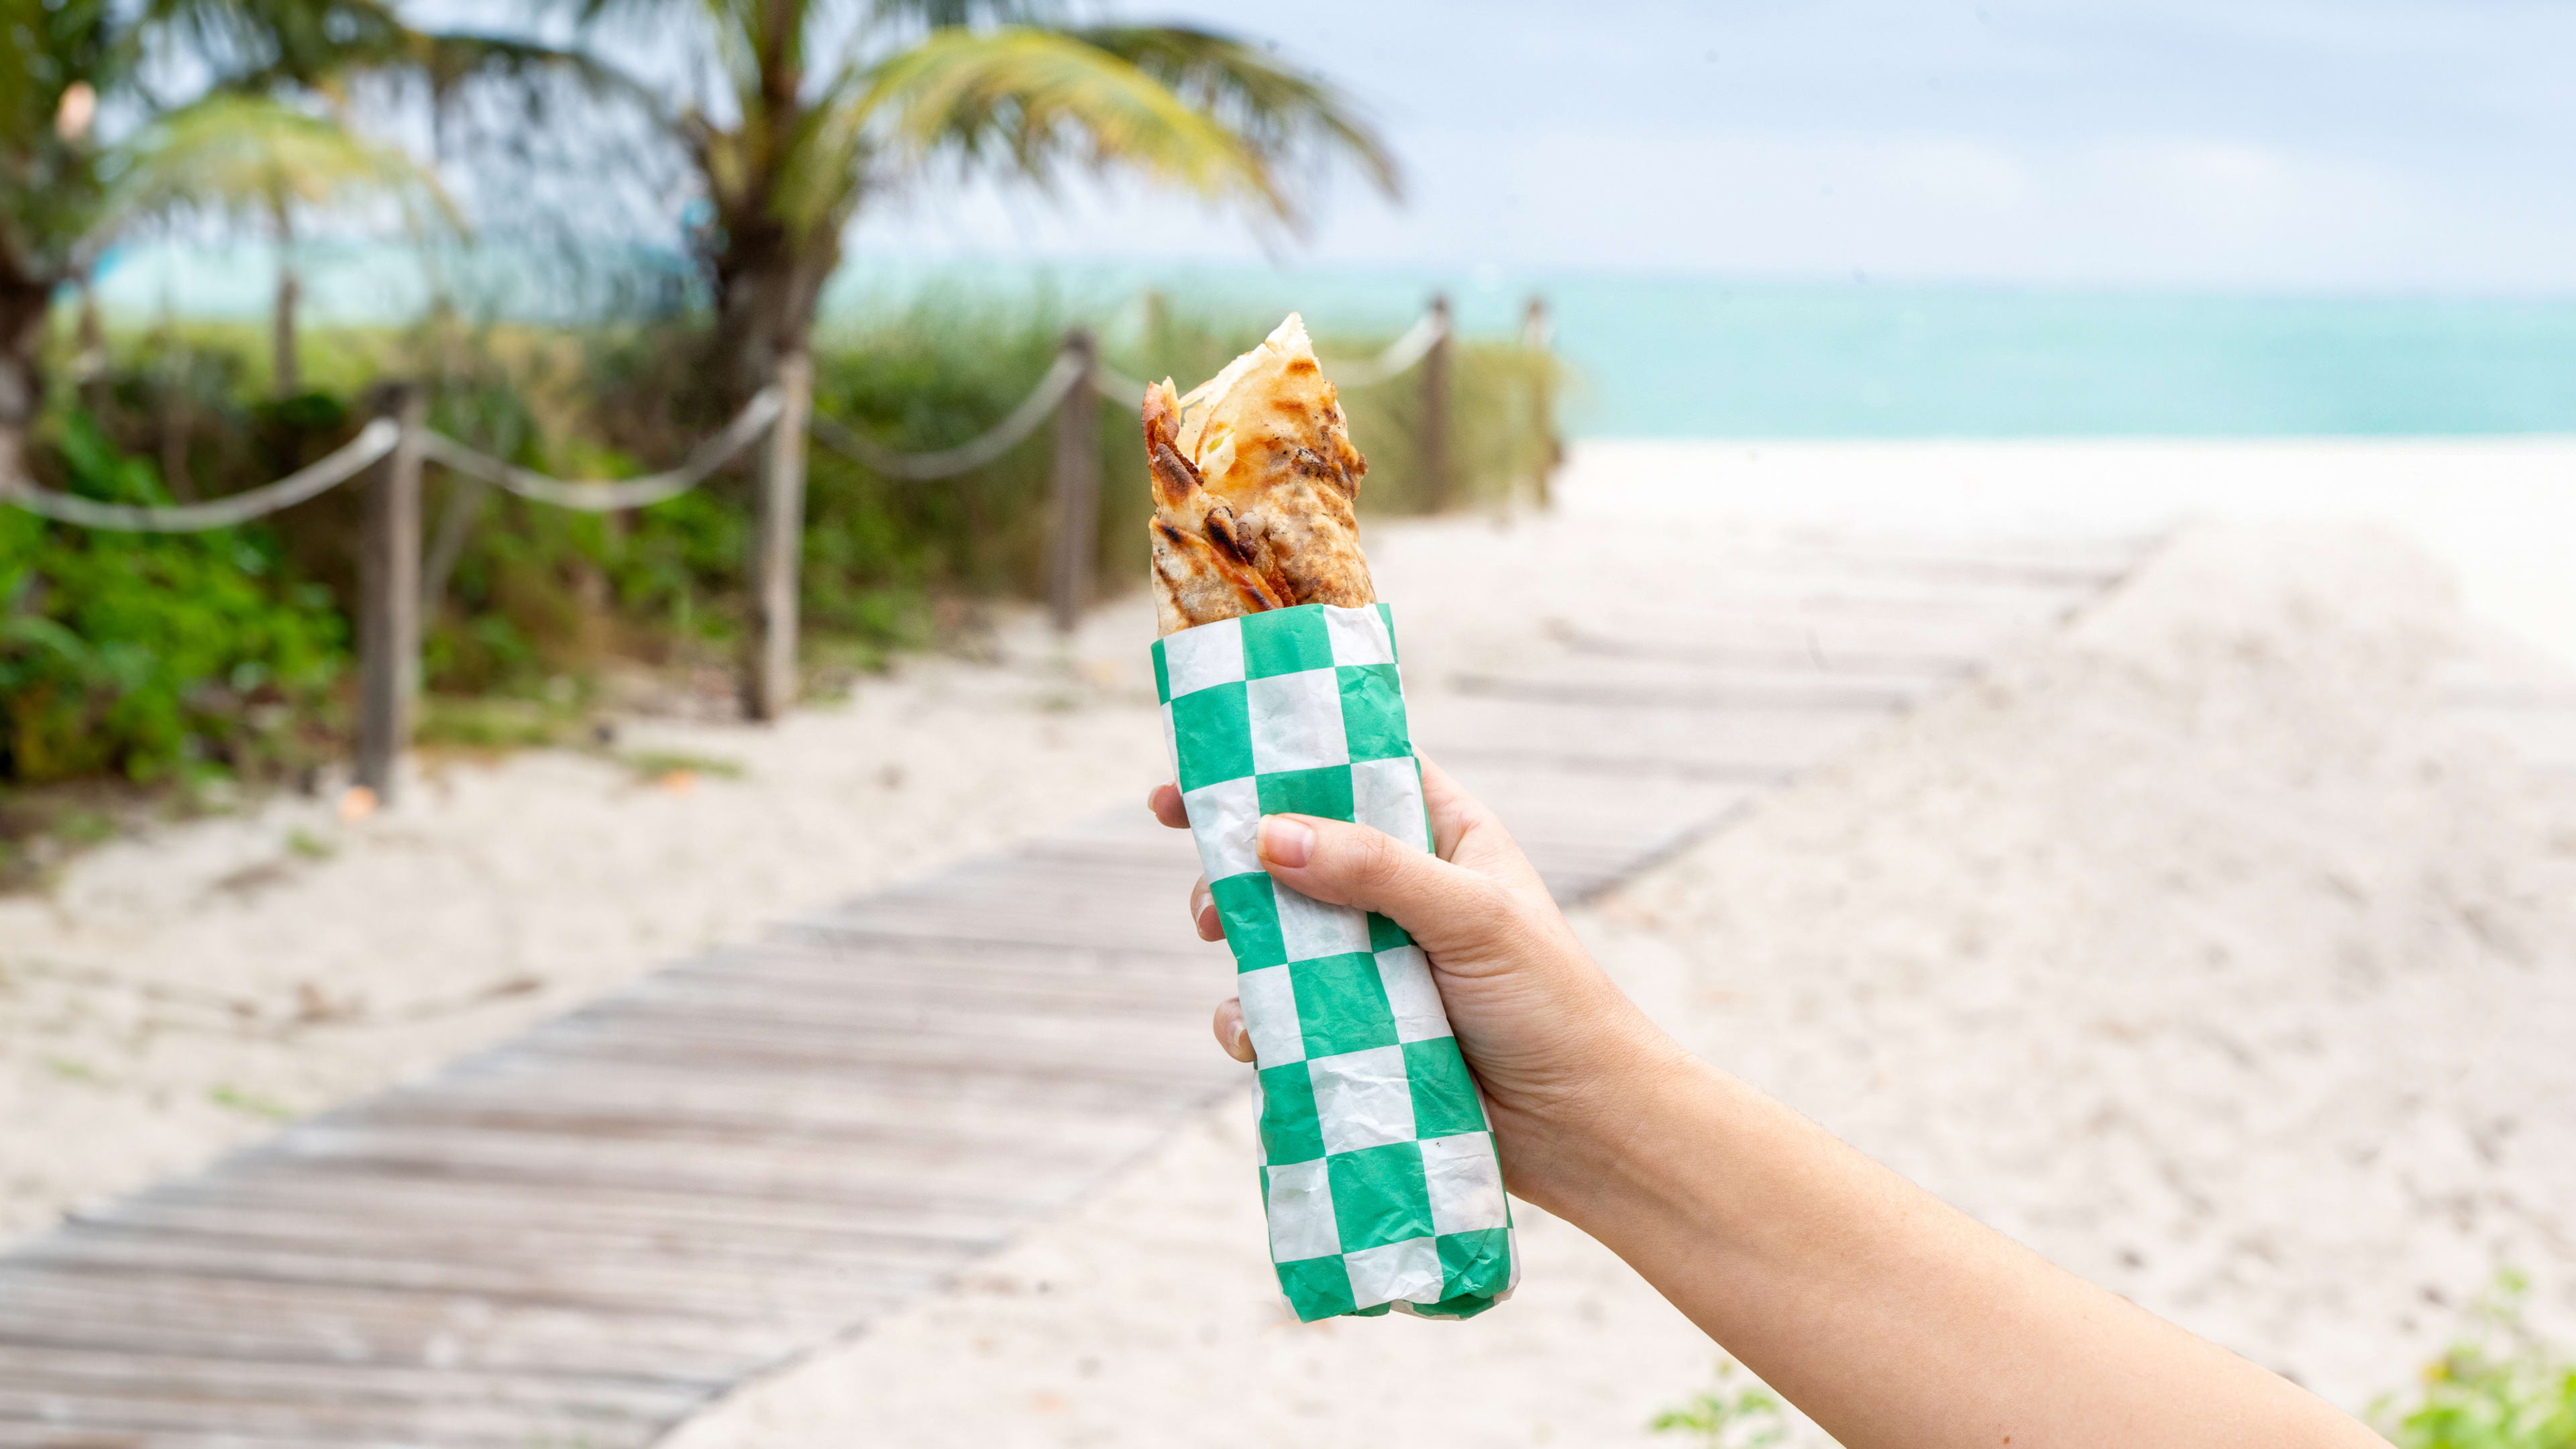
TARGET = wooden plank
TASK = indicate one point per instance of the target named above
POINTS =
(90, 1371)
(497, 1221)
(1807, 677)
(318, 1246)
(1810, 656)
(1000, 1086)
(156, 1410)
(324, 1326)
(621, 1284)
(1573, 687)
(49, 1434)
(1778, 740)
(932, 1173)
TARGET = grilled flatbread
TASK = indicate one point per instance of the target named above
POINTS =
(1254, 480)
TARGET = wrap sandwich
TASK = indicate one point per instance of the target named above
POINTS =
(1254, 482)
(1276, 672)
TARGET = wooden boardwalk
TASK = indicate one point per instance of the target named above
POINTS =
(580, 1236)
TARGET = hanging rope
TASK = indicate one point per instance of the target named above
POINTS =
(373, 441)
(1119, 388)
(592, 495)
(921, 467)
(1391, 362)
(377, 439)
(1400, 354)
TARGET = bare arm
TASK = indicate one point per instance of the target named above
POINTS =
(1889, 1317)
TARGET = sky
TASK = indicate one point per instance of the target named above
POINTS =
(2363, 145)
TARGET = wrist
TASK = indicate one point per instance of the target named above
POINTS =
(1575, 1148)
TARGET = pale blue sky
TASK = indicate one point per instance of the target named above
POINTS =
(2367, 144)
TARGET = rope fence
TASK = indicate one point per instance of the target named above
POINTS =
(340, 465)
(392, 602)
(592, 495)
(1060, 379)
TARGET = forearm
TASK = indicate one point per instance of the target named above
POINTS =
(1886, 1315)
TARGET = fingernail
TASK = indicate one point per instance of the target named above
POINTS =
(1286, 842)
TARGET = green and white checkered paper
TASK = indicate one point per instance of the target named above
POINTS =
(1377, 1166)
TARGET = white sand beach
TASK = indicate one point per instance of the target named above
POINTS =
(2222, 947)
(2202, 949)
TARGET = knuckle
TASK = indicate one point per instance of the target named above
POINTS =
(1482, 912)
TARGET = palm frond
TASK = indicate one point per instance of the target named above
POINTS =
(1030, 101)
(52, 184)
(1277, 109)
(269, 42)
(249, 155)
(452, 61)
(944, 14)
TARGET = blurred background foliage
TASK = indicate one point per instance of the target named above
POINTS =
(696, 218)
(227, 654)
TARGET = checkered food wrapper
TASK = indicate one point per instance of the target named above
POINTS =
(1377, 1164)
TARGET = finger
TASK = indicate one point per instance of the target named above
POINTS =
(1165, 801)
(1230, 1033)
(1463, 831)
(1203, 912)
(1453, 811)
(1444, 906)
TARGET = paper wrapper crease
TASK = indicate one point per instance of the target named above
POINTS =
(1377, 1166)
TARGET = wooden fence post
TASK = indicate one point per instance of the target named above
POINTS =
(778, 538)
(1077, 486)
(1439, 482)
(1535, 340)
(389, 611)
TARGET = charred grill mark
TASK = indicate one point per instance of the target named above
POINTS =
(1220, 531)
(1175, 480)
(1175, 565)
(1162, 416)
(1238, 541)
(1256, 595)
(1311, 464)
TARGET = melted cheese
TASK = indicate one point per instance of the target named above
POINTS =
(1207, 429)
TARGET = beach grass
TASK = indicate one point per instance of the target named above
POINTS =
(527, 600)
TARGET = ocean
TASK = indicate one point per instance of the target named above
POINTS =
(1691, 356)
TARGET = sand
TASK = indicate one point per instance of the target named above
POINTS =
(2203, 948)
(2219, 947)
(177, 993)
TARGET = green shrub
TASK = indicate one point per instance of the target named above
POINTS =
(1730, 1415)
(2499, 1387)
(154, 655)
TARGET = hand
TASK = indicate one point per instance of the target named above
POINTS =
(1548, 1035)
(1891, 1318)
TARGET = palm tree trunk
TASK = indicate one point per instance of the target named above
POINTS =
(767, 286)
(89, 355)
(286, 377)
(24, 302)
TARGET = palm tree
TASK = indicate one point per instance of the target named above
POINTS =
(53, 190)
(67, 67)
(237, 155)
(798, 111)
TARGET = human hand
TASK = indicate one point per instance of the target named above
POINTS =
(1548, 1034)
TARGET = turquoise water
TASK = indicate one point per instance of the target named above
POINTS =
(1691, 356)
(1667, 356)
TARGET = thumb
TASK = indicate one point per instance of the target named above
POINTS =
(1442, 906)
